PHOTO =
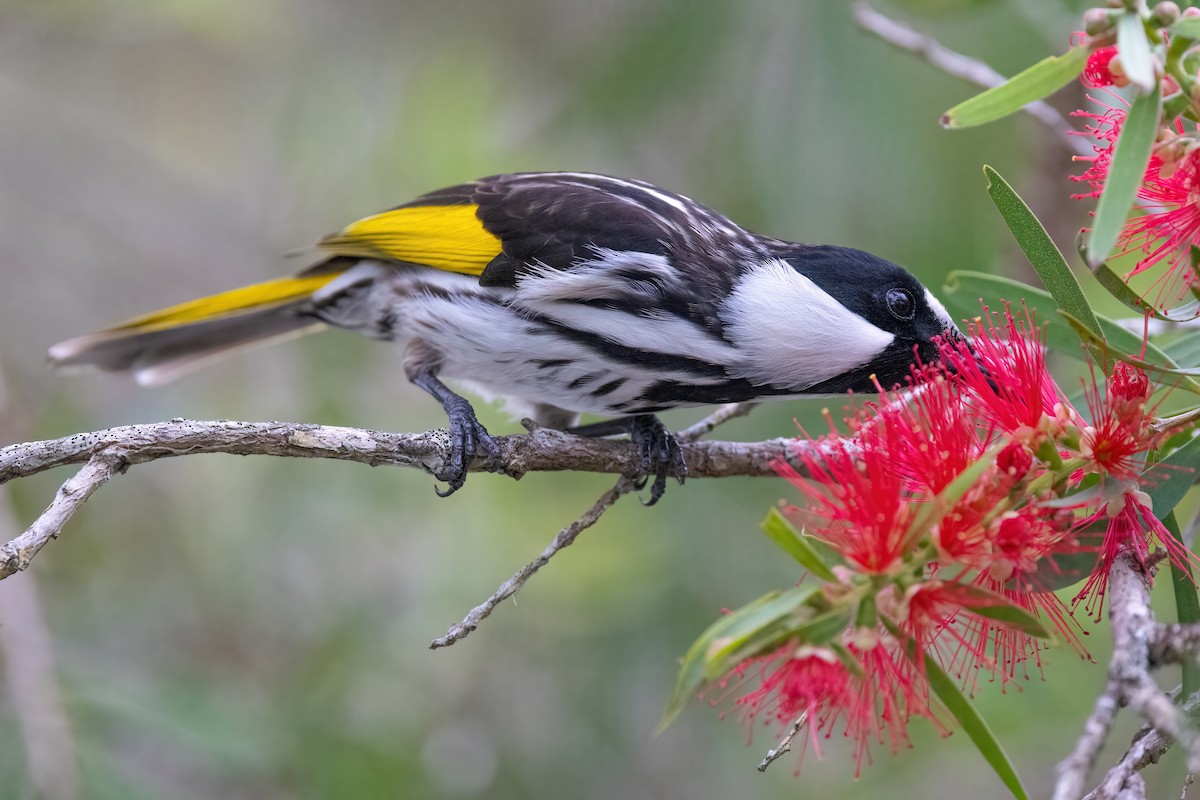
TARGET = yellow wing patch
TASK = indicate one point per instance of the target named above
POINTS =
(247, 298)
(445, 237)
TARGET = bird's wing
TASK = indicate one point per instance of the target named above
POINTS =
(503, 227)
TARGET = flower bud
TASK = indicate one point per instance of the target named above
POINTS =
(1096, 21)
(1014, 461)
(1165, 14)
(1191, 11)
(1128, 385)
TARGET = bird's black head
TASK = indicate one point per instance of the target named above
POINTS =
(886, 318)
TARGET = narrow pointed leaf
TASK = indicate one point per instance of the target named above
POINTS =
(975, 726)
(999, 608)
(727, 631)
(1042, 79)
(1107, 351)
(1041, 251)
(1186, 27)
(780, 531)
(1123, 292)
(1169, 479)
(1125, 174)
(1184, 351)
(931, 513)
(972, 722)
(1134, 49)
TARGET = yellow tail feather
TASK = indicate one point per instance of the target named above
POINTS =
(247, 298)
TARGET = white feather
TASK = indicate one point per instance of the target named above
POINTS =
(793, 334)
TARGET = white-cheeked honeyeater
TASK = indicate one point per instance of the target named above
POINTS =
(572, 292)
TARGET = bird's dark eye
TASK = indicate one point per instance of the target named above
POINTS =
(900, 304)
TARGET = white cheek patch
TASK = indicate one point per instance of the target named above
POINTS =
(940, 312)
(791, 333)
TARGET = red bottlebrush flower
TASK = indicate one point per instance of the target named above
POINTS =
(1105, 128)
(1170, 189)
(930, 433)
(1168, 233)
(1097, 74)
(1120, 433)
(857, 499)
(810, 681)
(1011, 649)
(1130, 523)
(1005, 373)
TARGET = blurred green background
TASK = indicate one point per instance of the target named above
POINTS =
(255, 628)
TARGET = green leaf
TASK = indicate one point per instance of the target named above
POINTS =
(1134, 48)
(1125, 174)
(998, 608)
(975, 726)
(1187, 606)
(1185, 350)
(1119, 289)
(964, 290)
(931, 513)
(1042, 79)
(1158, 370)
(709, 656)
(1186, 27)
(972, 722)
(781, 531)
(1169, 479)
(1039, 248)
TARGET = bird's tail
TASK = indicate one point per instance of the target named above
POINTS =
(162, 345)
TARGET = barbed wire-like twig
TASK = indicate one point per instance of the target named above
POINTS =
(961, 66)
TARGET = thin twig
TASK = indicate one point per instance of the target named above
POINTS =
(1136, 636)
(710, 423)
(961, 66)
(568, 534)
(1073, 770)
(785, 744)
(513, 585)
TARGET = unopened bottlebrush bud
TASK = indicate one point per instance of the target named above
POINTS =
(1096, 21)
(1165, 14)
(1014, 461)
(1191, 11)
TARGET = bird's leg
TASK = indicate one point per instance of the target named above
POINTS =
(467, 435)
(658, 452)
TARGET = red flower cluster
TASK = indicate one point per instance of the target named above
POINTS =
(1169, 193)
(947, 506)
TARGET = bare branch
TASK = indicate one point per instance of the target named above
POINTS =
(1073, 770)
(1139, 644)
(719, 417)
(107, 452)
(960, 66)
(16, 554)
(785, 744)
(513, 585)
(568, 534)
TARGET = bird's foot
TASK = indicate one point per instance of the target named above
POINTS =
(659, 454)
(468, 439)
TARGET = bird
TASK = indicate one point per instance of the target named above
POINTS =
(568, 293)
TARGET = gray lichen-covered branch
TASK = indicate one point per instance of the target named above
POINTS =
(110, 452)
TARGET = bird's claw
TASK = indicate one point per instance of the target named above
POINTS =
(468, 439)
(659, 455)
